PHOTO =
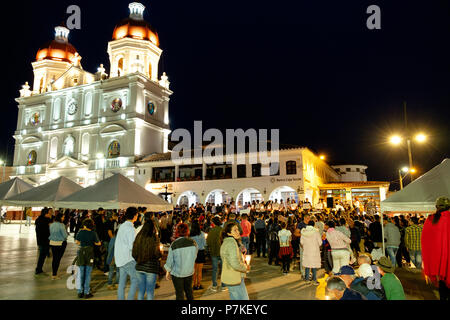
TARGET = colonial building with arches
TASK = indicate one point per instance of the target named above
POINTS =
(300, 175)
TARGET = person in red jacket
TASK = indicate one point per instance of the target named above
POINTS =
(436, 247)
(246, 229)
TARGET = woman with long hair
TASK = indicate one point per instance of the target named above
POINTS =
(199, 237)
(147, 254)
(234, 268)
(436, 247)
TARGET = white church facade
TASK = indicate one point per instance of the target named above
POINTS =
(77, 124)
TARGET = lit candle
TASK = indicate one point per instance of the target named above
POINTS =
(161, 247)
(248, 258)
(206, 236)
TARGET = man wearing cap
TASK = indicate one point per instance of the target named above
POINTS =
(337, 290)
(391, 284)
(347, 274)
(368, 284)
(436, 247)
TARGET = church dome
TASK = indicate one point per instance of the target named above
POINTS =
(58, 49)
(55, 50)
(135, 26)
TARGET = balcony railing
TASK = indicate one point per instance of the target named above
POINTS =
(218, 177)
(197, 178)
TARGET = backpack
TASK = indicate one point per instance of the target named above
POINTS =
(273, 234)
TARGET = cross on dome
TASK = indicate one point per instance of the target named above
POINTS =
(136, 10)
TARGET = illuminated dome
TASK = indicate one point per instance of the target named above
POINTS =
(135, 26)
(58, 49)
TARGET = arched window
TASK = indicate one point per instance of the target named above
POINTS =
(120, 67)
(150, 70)
(85, 144)
(88, 103)
(291, 167)
(69, 146)
(57, 109)
(54, 148)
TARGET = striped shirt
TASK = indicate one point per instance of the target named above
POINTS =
(413, 235)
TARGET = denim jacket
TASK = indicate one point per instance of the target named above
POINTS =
(57, 232)
(181, 257)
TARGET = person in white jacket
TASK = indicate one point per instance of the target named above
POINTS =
(311, 240)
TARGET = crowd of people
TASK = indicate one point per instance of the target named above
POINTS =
(345, 242)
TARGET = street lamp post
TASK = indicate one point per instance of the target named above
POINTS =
(3, 164)
(406, 170)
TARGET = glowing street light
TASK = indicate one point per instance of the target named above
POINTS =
(322, 157)
(421, 137)
(395, 140)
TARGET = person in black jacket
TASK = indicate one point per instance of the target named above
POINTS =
(42, 234)
(355, 236)
(147, 254)
(375, 232)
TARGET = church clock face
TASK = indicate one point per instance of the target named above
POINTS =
(72, 108)
(116, 104)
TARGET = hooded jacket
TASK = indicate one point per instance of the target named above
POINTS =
(311, 242)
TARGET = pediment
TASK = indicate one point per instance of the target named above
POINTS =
(67, 162)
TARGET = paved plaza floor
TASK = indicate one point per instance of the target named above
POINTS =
(18, 256)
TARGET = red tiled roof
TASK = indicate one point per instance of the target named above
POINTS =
(353, 184)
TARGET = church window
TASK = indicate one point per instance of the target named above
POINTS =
(114, 149)
(69, 146)
(32, 156)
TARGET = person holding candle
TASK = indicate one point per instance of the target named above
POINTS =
(234, 268)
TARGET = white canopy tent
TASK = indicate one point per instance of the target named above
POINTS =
(13, 187)
(45, 195)
(421, 194)
(115, 192)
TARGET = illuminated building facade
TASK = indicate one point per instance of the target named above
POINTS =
(76, 124)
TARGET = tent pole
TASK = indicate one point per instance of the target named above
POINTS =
(382, 235)
(21, 219)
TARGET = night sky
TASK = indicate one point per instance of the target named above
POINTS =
(309, 68)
